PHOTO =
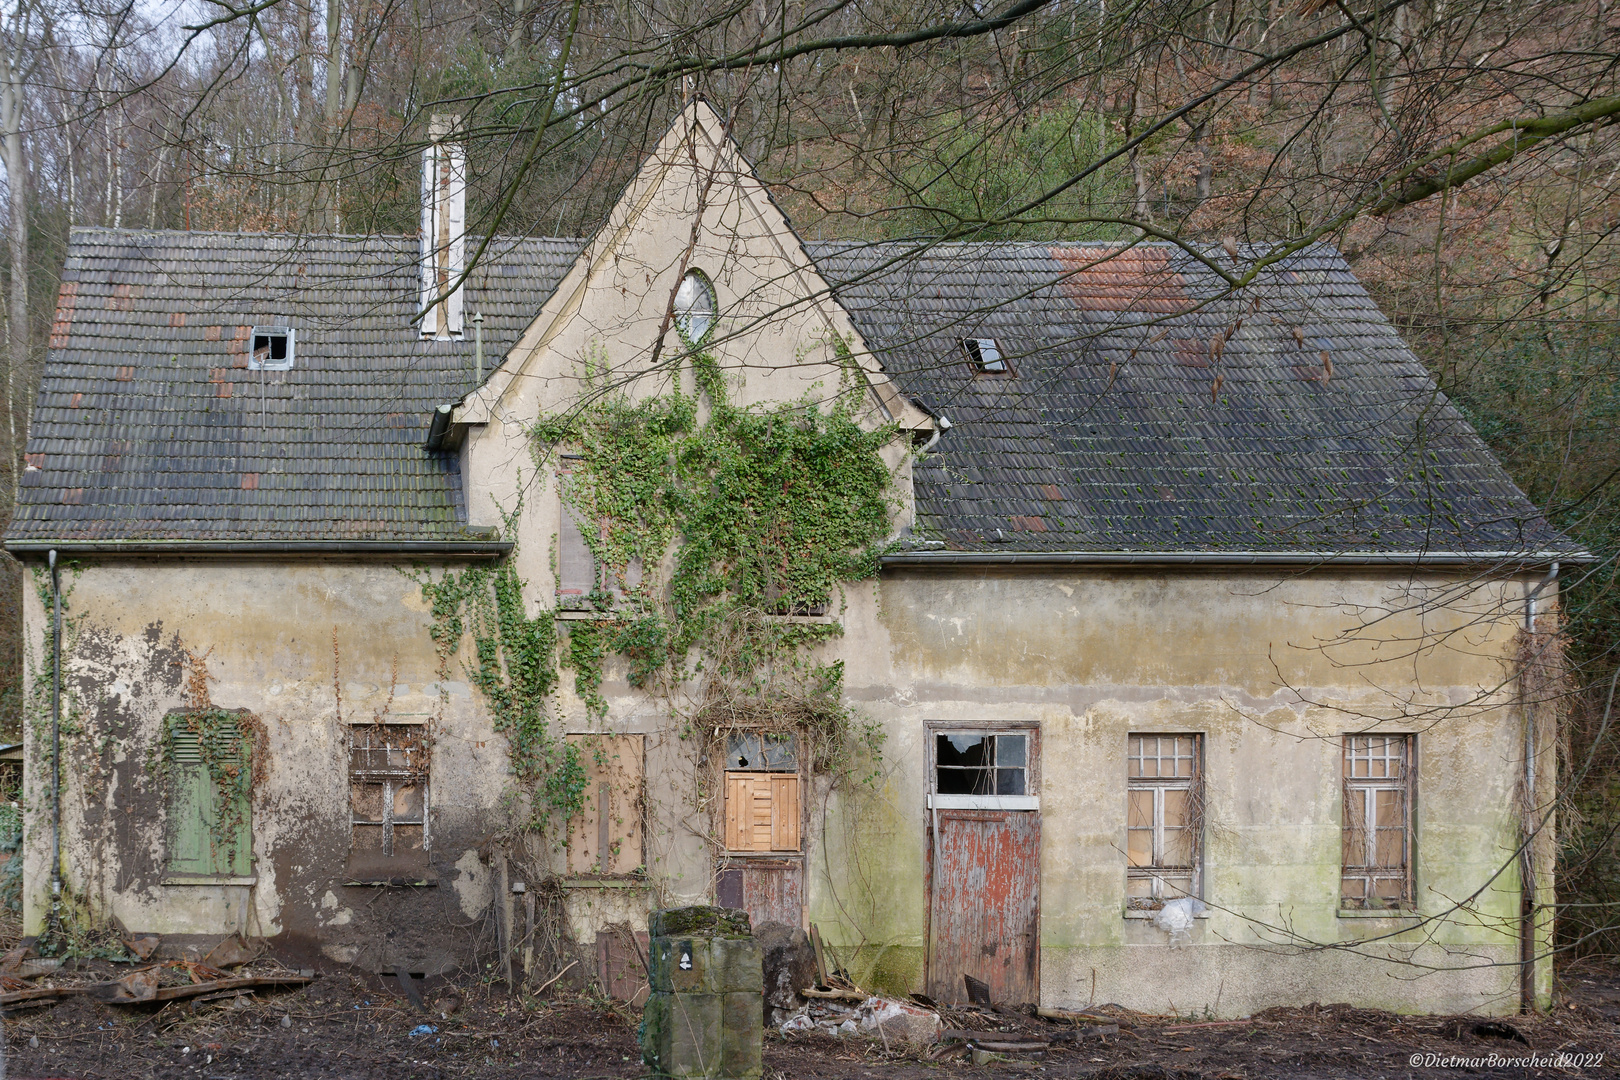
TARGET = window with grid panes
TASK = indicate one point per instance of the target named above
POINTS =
(388, 801)
(1164, 775)
(1378, 789)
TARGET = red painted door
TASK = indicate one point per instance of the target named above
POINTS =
(984, 908)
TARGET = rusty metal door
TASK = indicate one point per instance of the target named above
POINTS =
(984, 907)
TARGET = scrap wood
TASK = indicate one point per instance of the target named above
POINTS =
(142, 948)
(835, 994)
(231, 952)
(983, 1039)
(235, 982)
(1074, 1015)
(200, 972)
(39, 995)
(13, 957)
(821, 958)
(1090, 1031)
(139, 985)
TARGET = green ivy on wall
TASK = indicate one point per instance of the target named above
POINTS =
(514, 665)
(714, 536)
(761, 516)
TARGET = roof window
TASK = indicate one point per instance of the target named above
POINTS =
(272, 348)
(985, 356)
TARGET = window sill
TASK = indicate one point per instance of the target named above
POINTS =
(414, 882)
(984, 802)
(1375, 913)
(210, 879)
(605, 883)
(1148, 913)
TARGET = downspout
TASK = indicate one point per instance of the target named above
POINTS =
(941, 426)
(1529, 878)
(478, 349)
(56, 740)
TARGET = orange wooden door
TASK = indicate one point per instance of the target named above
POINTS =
(984, 905)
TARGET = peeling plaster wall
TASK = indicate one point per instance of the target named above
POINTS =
(269, 629)
(1272, 670)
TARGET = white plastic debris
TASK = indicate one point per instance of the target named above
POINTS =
(846, 1028)
(1176, 917)
(800, 1022)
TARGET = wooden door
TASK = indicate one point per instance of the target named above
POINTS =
(984, 907)
(770, 890)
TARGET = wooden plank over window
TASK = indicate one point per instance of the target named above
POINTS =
(762, 812)
(605, 837)
(389, 766)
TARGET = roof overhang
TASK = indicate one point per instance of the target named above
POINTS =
(480, 550)
(1500, 561)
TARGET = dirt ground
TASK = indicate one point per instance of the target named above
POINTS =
(342, 1026)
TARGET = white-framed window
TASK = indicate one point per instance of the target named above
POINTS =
(695, 308)
(984, 768)
(583, 583)
(1379, 788)
(273, 348)
(1163, 818)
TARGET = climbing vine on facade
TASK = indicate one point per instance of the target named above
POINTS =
(514, 665)
(762, 517)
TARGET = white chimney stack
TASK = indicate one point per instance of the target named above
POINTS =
(444, 222)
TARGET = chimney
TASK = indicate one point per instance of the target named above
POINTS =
(444, 221)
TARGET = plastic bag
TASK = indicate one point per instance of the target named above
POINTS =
(1176, 917)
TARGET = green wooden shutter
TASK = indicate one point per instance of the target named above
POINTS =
(199, 842)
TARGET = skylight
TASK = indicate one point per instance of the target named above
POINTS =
(985, 356)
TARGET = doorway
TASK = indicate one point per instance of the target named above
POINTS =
(984, 862)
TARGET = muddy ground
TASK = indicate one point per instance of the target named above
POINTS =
(342, 1026)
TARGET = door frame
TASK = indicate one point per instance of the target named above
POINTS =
(1028, 803)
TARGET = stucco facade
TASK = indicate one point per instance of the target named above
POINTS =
(1270, 664)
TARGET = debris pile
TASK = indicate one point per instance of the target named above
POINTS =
(32, 981)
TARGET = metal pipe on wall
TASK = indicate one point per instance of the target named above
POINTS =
(56, 738)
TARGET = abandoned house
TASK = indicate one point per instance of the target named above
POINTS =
(1175, 592)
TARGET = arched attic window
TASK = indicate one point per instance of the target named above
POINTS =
(695, 308)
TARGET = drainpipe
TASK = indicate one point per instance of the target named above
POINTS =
(56, 739)
(941, 426)
(478, 349)
(1528, 906)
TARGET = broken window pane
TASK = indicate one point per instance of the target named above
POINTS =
(1377, 822)
(762, 751)
(388, 800)
(982, 764)
(1162, 826)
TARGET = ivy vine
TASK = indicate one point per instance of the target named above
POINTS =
(514, 666)
(770, 511)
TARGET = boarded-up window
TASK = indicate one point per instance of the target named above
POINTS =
(762, 792)
(1378, 790)
(210, 823)
(762, 811)
(388, 801)
(605, 837)
(582, 581)
(1164, 793)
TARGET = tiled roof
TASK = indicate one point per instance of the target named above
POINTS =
(150, 426)
(1108, 436)
(1111, 435)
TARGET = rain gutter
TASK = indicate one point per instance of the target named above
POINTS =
(469, 549)
(1520, 559)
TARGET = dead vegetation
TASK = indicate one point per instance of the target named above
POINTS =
(343, 1025)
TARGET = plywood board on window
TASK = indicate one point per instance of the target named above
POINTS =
(605, 837)
(762, 812)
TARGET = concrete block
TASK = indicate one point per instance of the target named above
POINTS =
(699, 965)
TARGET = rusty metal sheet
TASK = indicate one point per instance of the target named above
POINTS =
(984, 906)
(770, 890)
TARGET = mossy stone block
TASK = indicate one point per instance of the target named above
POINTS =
(698, 965)
(742, 1035)
(682, 1035)
(700, 920)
